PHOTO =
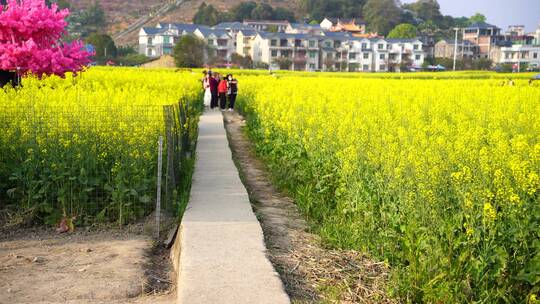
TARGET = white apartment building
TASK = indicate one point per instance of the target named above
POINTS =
(523, 54)
(301, 49)
(268, 25)
(219, 40)
(244, 42)
(160, 40)
(307, 48)
(336, 52)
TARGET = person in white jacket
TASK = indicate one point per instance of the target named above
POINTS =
(206, 88)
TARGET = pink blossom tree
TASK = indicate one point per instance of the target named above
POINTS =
(30, 40)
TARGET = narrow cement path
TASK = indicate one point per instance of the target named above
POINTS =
(223, 256)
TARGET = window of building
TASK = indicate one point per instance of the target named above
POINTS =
(382, 56)
(352, 56)
(311, 43)
(274, 53)
(337, 43)
(535, 55)
(365, 67)
(366, 55)
(383, 67)
(284, 53)
(328, 44)
(364, 46)
(210, 42)
(150, 40)
(416, 47)
(418, 57)
(283, 42)
(380, 46)
(166, 39)
(312, 66)
(312, 54)
(273, 42)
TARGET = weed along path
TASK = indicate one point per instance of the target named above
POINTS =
(223, 255)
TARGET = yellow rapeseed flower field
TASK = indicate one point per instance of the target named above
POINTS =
(86, 146)
(437, 177)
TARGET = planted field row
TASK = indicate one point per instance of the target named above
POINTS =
(438, 178)
(86, 147)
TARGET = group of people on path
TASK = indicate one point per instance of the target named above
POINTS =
(217, 89)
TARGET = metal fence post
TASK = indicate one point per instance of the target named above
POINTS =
(158, 198)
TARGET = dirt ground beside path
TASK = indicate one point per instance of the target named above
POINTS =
(310, 273)
(108, 266)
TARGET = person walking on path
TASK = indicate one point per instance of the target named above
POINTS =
(233, 91)
(207, 91)
(223, 87)
(213, 82)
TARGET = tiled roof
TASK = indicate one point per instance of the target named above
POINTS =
(401, 40)
(305, 26)
(337, 35)
(283, 22)
(249, 32)
(151, 30)
(482, 25)
(208, 31)
(286, 36)
(234, 26)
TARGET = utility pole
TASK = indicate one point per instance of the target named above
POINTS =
(455, 48)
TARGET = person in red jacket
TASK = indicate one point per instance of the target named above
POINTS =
(223, 87)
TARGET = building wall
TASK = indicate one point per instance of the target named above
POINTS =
(528, 54)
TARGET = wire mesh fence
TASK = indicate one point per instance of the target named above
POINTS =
(92, 163)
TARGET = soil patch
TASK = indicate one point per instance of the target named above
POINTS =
(310, 272)
(38, 265)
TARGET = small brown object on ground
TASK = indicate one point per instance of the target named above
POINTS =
(310, 272)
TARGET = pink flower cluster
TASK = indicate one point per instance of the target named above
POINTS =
(30, 34)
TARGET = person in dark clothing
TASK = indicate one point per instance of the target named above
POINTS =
(233, 91)
(213, 90)
(223, 87)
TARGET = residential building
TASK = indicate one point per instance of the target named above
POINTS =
(337, 51)
(219, 40)
(301, 49)
(334, 50)
(484, 35)
(446, 48)
(522, 54)
(268, 25)
(360, 58)
(160, 40)
(304, 28)
(515, 30)
(244, 42)
(408, 52)
(233, 28)
(516, 35)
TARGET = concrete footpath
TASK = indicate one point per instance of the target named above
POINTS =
(222, 252)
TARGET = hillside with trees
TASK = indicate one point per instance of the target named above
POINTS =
(382, 16)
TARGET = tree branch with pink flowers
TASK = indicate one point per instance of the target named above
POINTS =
(31, 40)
